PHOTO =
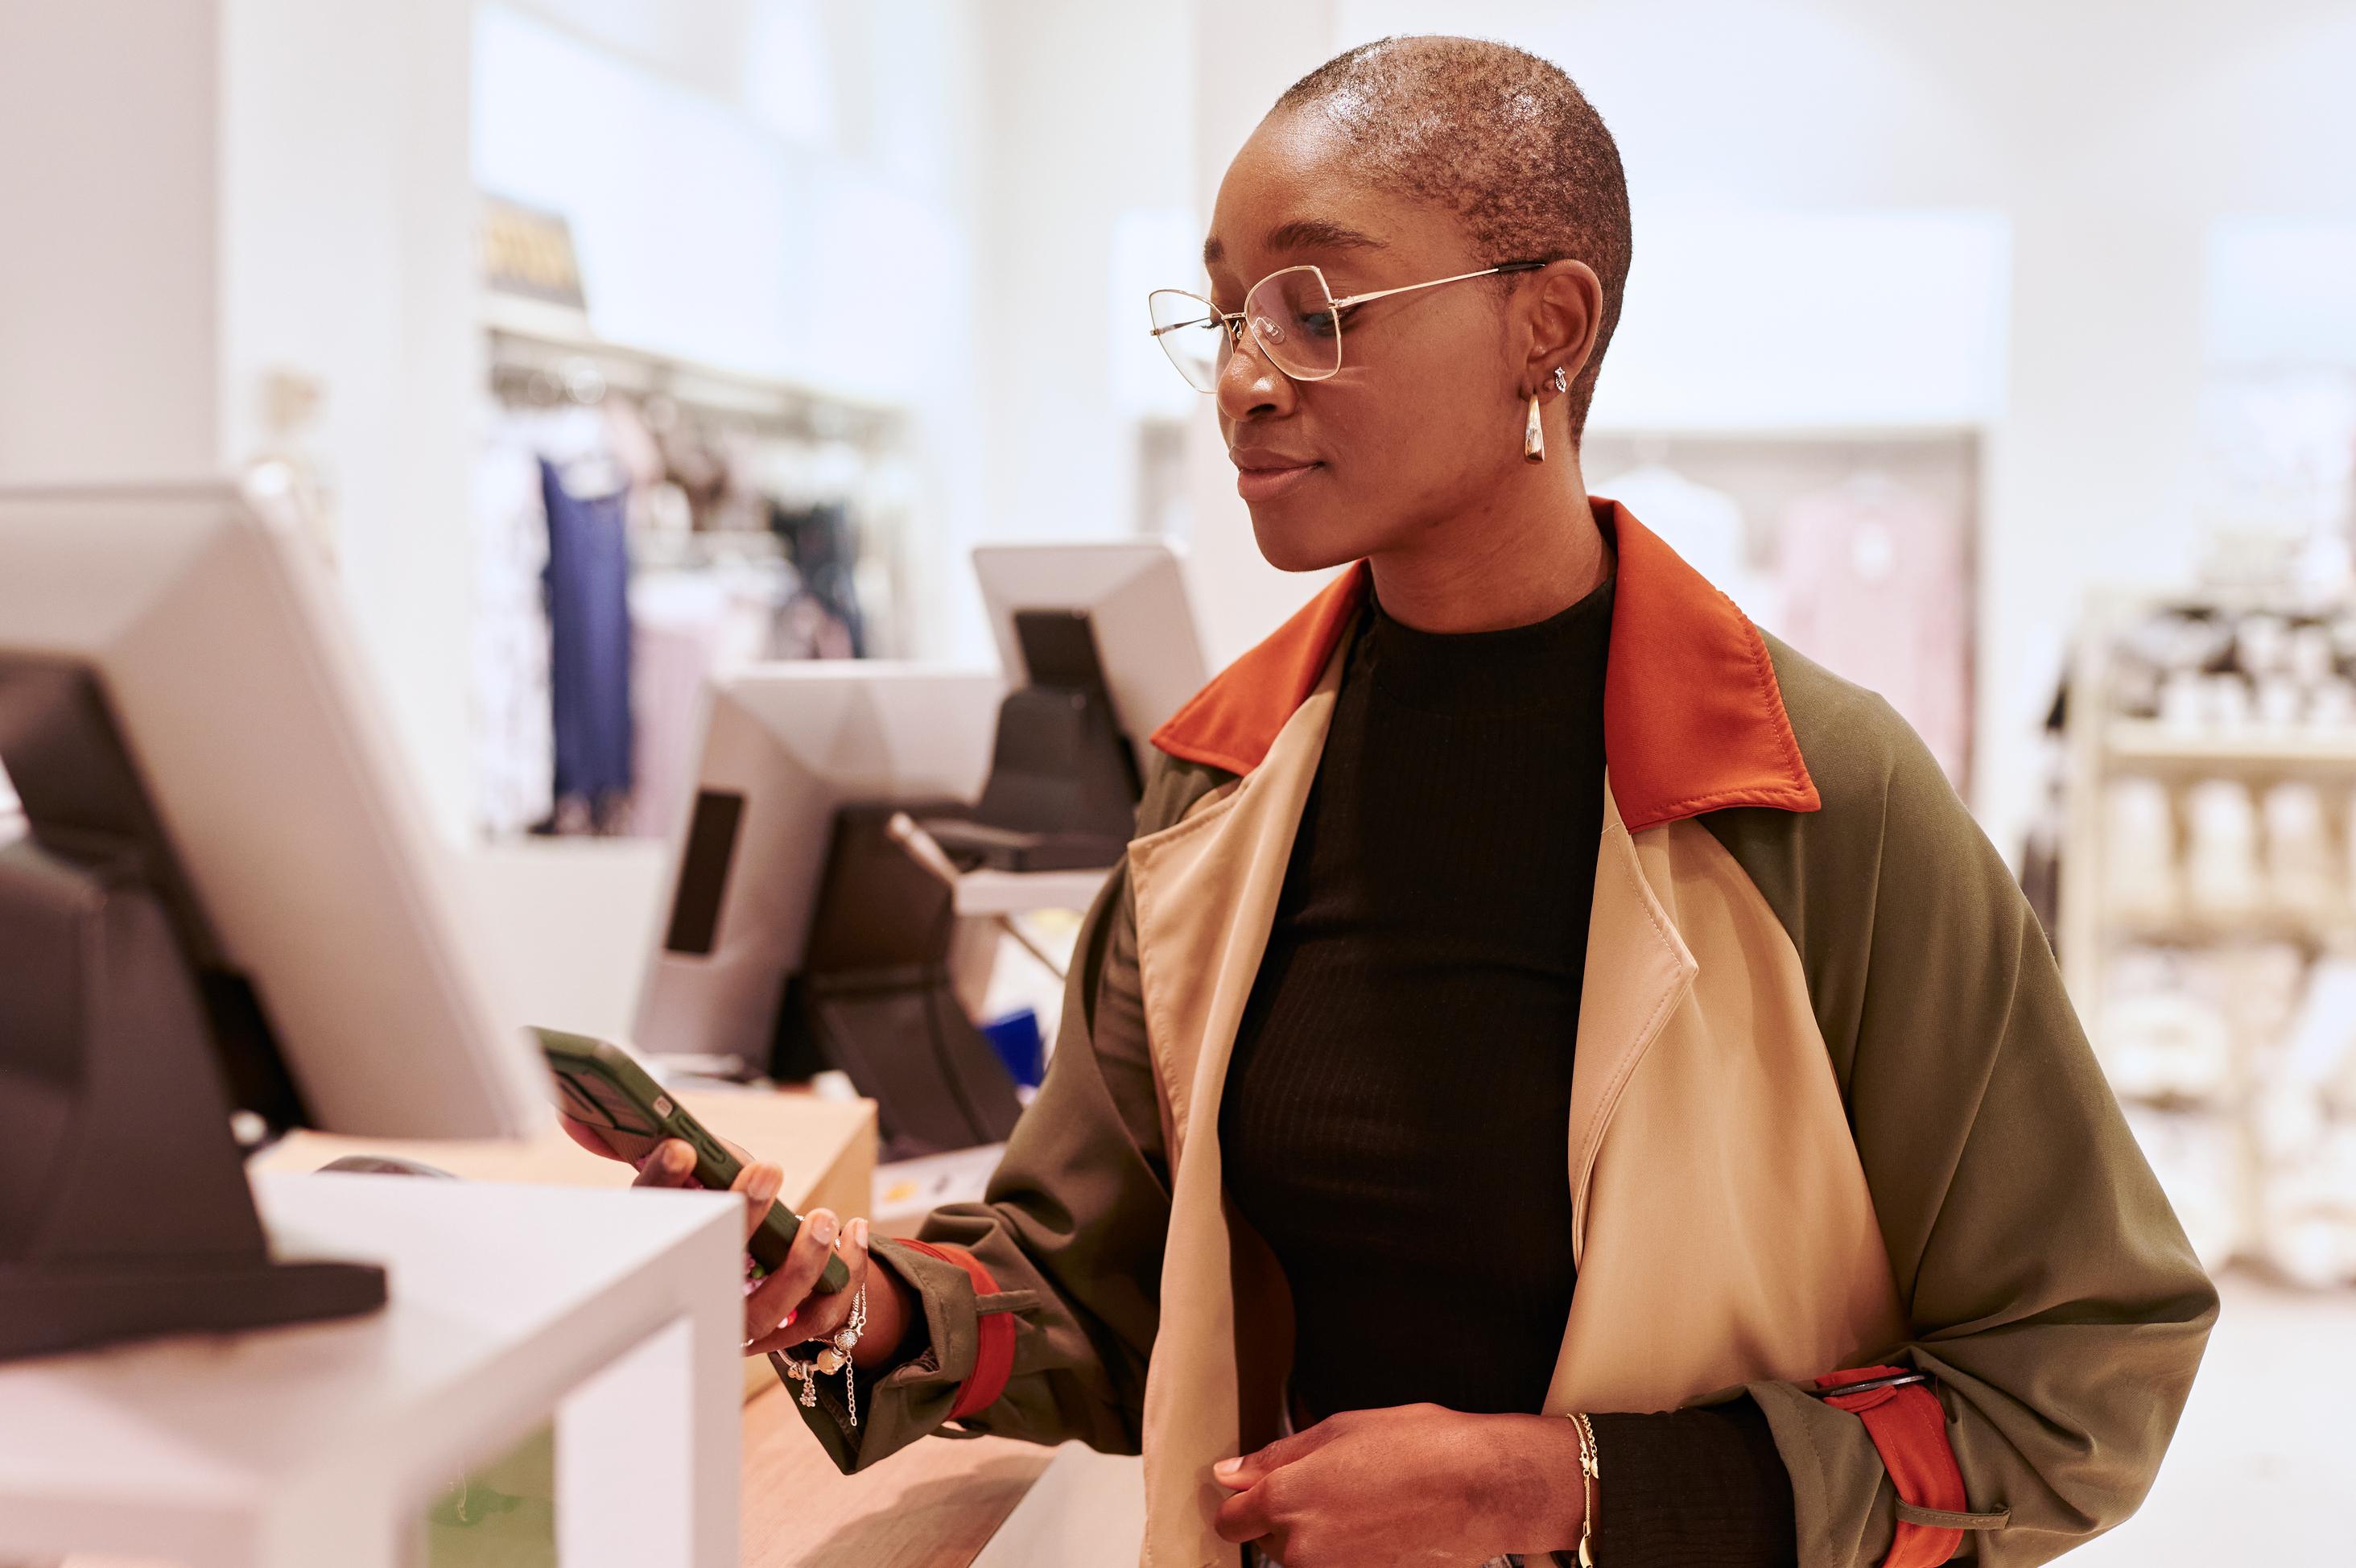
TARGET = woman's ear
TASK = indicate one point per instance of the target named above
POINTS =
(1565, 308)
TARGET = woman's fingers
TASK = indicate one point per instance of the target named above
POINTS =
(815, 1317)
(1251, 1469)
(586, 1136)
(1244, 1517)
(759, 1183)
(790, 1282)
(671, 1164)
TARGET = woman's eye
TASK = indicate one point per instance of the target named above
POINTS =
(1325, 324)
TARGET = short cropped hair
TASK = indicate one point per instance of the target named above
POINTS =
(1500, 137)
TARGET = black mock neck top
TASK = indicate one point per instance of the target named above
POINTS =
(1396, 1122)
(1403, 1070)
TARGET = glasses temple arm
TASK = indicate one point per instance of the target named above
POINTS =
(1460, 278)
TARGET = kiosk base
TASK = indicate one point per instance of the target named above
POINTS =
(47, 1310)
(124, 1212)
(875, 998)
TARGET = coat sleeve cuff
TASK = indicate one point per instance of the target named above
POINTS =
(1874, 1479)
(943, 1373)
(990, 1325)
(1843, 1508)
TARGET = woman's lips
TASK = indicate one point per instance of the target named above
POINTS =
(1266, 484)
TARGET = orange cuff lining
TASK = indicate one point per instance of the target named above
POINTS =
(1909, 1427)
(993, 1356)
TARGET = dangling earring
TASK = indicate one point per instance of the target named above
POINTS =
(1534, 432)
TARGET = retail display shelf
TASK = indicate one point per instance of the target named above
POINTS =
(2207, 912)
(2154, 742)
(562, 330)
(2315, 929)
(2221, 1102)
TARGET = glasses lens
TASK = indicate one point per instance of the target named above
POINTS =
(1192, 334)
(1291, 317)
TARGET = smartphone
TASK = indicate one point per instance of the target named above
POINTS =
(599, 1085)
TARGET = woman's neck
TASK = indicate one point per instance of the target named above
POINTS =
(1518, 558)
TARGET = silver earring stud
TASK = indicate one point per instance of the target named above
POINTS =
(1562, 380)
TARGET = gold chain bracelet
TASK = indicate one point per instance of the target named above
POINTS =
(1589, 1473)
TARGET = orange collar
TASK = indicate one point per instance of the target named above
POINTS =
(1693, 720)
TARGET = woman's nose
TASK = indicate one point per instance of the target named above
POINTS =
(1250, 387)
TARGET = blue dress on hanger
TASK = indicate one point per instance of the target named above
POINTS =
(588, 580)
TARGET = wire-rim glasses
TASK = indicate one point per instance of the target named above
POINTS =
(1292, 314)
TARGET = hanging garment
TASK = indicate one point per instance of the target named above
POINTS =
(823, 621)
(589, 644)
(513, 746)
(1876, 587)
(1704, 526)
(685, 626)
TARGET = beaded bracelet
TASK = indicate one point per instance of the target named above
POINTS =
(833, 1356)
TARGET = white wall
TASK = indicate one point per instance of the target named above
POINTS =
(108, 174)
(347, 259)
(705, 231)
(1106, 130)
(1088, 115)
(200, 194)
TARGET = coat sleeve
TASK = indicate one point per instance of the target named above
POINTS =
(2049, 1287)
(1042, 1301)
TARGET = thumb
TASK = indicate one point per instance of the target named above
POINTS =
(1252, 1468)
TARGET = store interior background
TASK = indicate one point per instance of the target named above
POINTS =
(2060, 242)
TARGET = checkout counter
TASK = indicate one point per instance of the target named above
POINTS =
(533, 1299)
(989, 1502)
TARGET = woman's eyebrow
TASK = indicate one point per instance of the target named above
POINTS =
(1318, 234)
(1303, 234)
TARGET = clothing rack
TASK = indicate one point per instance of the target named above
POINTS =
(723, 467)
(698, 551)
(543, 356)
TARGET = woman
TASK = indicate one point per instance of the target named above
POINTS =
(1520, 827)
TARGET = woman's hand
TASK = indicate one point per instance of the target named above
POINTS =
(1415, 1486)
(780, 1311)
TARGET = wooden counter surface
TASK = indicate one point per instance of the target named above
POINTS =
(933, 1505)
(827, 1148)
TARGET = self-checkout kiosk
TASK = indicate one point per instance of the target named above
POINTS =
(225, 900)
(846, 815)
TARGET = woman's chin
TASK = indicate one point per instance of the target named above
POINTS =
(1297, 540)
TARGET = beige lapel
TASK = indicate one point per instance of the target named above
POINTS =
(1638, 970)
(1205, 892)
(1722, 1226)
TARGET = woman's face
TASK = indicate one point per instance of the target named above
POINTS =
(1425, 416)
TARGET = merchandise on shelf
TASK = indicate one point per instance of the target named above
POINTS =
(2304, 1123)
(2209, 913)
